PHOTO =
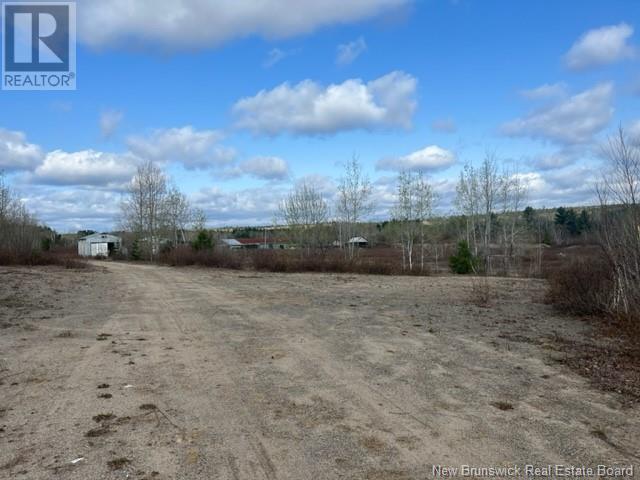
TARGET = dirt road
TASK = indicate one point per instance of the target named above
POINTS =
(151, 372)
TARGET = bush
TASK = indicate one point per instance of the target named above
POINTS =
(582, 287)
(33, 259)
(463, 261)
(136, 252)
(185, 255)
(203, 241)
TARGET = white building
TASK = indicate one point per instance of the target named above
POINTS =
(98, 245)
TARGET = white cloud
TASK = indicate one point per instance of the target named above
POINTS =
(109, 122)
(309, 108)
(266, 168)
(348, 52)
(569, 187)
(444, 125)
(429, 158)
(559, 159)
(16, 153)
(601, 46)
(573, 120)
(554, 90)
(186, 24)
(195, 149)
(252, 206)
(86, 167)
(73, 209)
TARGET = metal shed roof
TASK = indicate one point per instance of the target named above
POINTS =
(97, 237)
(231, 242)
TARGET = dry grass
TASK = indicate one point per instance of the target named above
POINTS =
(483, 294)
(37, 259)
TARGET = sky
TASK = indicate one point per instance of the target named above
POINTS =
(240, 100)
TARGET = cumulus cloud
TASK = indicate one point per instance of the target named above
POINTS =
(195, 149)
(73, 209)
(560, 159)
(348, 52)
(431, 158)
(601, 46)
(309, 108)
(553, 90)
(266, 168)
(186, 24)
(109, 122)
(569, 186)
(86, 167)
(251, 206)
(570, 121)
(16, 153)
(444, 125)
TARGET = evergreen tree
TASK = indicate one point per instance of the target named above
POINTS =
(463, 261)
(203, 241)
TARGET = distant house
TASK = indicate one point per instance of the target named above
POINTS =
(231, 243)
(255, 243)
(99, 245)
(358, 242)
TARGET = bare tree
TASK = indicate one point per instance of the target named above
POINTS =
(414, 205)
(468, 202)
(198, 219)
(619, 225)
(177, 214)
(19, 230)
(354, 203)
(143, 208)
(305, 211)
(489, 181)
(514, 189)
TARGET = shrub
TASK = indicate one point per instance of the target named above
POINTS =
(482, 293)
(33, 259)
(582, 287)
(185, 255)
(463, 261)
(203, 241)
(136, 252)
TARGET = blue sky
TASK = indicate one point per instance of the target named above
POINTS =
(239, 100)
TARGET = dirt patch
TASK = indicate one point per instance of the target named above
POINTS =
(612, 365)
(294, 376)
(103, 417)
(98, 432)
(14, 462)
(118, 463)
(504, 406)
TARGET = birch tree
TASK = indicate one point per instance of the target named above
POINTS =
(354, 203)
(468, 202)
(176, 215)
(143, 207)
(619, 225)
(514, 189)
(490, 185)
(305, 212)
(414, 205)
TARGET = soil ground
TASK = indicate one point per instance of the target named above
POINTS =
(150, 372)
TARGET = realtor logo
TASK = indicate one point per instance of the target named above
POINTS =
(39, 46)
